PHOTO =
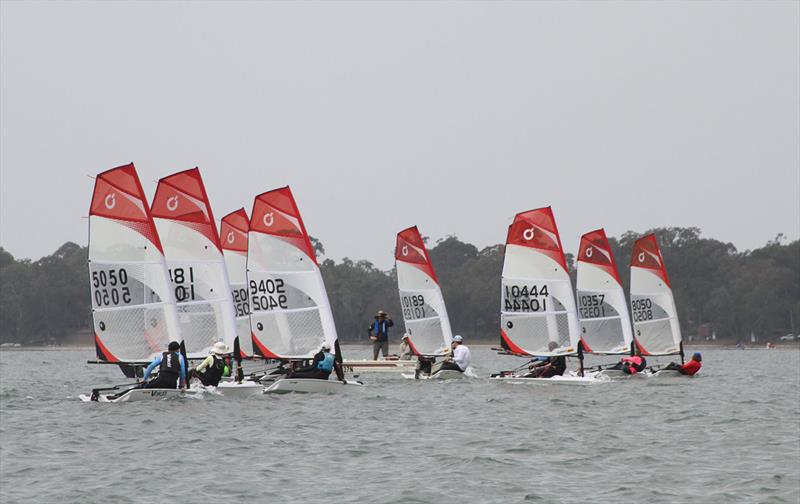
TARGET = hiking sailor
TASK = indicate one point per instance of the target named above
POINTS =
(171, 367)
(214, 367)
(547, 367)
(460, 358)
(321, 366)
(690, 368)
(632, 365)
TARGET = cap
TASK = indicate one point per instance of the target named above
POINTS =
(173, 345)
(457, 338)
(697, 356)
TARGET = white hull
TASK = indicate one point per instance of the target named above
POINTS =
(669, 374)
(244, 389)
(308, 386)
(378, 366)
(567, 379)
(447, 374)
(141, 395)
(617, 374)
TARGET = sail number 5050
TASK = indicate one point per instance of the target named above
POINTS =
(268, 294)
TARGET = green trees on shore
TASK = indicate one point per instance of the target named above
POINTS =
(717, 287)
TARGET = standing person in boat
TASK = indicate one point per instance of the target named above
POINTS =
(547, 367)
(320, 367)
(460, 359)
(633, 364)
(379, 334)
(171, 369)
(406, 353)
(690, 368)
(214, 367)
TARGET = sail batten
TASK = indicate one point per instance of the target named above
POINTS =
(537, 307)
(234, 229)
(133, 312)
(290, 311)
(424, 313)
(655, 318)
(199, 279)
(602, 307)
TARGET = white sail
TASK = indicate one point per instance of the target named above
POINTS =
(233, 236)
(602, 307)
(290, 312)
(132, 307)
(537, 300)
(199, 279)
(655, 319)
(424, 312)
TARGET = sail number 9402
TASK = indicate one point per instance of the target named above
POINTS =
(268, 294)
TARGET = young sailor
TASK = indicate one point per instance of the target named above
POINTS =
(171, 367)
(632, 365)
(406, 353)
(690, 368)
(547, 367)
(320, 367)
(460, 359)
(379, 334)
(214, 367)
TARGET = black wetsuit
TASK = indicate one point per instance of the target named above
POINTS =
(211, 376)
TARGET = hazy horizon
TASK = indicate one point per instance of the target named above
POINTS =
(449, 116)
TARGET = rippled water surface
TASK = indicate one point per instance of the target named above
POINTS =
(730, 435)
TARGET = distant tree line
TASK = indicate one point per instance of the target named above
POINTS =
(717, 288)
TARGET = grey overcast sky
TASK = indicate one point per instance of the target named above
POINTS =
(380, 115)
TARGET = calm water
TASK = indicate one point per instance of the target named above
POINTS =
(730, 435)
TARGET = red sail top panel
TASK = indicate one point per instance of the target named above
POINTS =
(411, 249)
(275, 213)
(646, 254)
(594, 249)
(182, 197)
(118, 195)
(233, 231)
(537, 229)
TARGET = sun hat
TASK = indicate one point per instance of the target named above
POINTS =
(326, 346)
(219, 348)
(380, 312)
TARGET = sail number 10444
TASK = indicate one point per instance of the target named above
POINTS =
(524, 298)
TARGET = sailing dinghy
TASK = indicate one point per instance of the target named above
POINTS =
(605, 325)
(656, 330)
(424, 313)
(537, 312)
(133, 311)
(197, 266)
(290, 312)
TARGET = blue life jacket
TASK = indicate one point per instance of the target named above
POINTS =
(326, 364)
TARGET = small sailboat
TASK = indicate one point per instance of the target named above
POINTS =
(133, 311)
(656, 330)
(424, 312)
(290, 312)
(537, 312)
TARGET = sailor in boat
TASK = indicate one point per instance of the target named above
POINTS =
(547, 367)
(690, 368)
(459, 361)
(214, 367)
(379, 334)
(632, 364)
(405, 349)
(171, 368)
(321, 366)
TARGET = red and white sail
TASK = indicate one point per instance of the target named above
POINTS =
(132, 306)
(655, 319)
(537, 304)
(233, 236)
(290, 312)
(602, 307)
(424, 312)
(199, 279)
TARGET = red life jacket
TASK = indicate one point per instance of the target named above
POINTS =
(691, 367)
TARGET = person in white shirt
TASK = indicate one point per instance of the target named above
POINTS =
(461, 356)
